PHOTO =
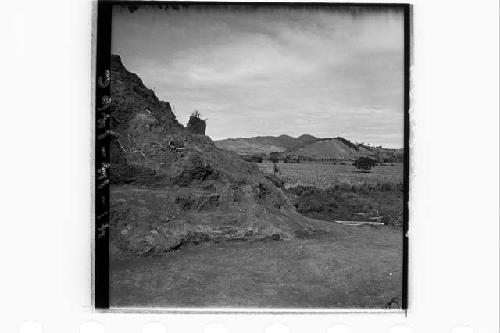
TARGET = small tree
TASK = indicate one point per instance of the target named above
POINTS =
(364, 164)
(274, 156)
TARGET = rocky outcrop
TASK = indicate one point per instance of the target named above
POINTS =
(171, 186)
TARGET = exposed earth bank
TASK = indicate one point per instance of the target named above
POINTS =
(171, 186)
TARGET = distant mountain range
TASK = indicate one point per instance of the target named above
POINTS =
(264, 144)
(308, 146)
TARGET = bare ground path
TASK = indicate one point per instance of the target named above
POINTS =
(346, 267)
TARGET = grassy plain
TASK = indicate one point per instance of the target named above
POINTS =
(333, 192)
(325, 175)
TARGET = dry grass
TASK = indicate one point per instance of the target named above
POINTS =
(340, 204)
(325, 175)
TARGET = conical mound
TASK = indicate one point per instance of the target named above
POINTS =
(171, 186)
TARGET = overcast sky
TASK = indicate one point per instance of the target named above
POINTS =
(272, 71)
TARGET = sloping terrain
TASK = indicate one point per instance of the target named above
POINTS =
(245, 146)
(171, 186)
(333, 148)
(264, 144)
(341, 148)
(309, 146)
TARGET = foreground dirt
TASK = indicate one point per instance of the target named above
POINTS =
(345, 267)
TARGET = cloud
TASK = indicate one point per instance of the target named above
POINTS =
(272, 71)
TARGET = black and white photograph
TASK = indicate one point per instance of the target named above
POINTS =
(250, 167)
(257, 156)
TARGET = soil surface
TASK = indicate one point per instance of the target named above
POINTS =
(346, 267)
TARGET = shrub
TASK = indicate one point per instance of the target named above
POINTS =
(252, 158)
(274, 157)
(364, 163)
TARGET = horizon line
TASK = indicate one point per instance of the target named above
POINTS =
(323, 138)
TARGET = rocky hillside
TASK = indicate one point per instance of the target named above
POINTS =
(172, 186)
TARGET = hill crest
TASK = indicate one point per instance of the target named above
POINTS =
(308, 146)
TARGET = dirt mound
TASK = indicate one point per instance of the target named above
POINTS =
(149, 221)
(130, 96)
(170, 186)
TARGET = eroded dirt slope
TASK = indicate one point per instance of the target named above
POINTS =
(171, 187)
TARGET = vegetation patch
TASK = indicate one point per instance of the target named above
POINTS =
(359, 203)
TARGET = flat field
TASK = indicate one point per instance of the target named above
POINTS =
(331, 192)
(347, 267)
(324, 175)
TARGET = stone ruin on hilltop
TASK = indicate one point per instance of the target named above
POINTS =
(196, 125)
